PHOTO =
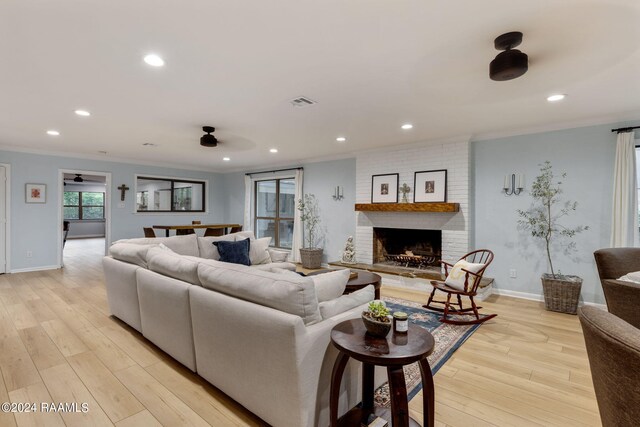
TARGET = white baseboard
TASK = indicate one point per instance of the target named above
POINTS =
(538, 297)
(85, 236)
(29, 269)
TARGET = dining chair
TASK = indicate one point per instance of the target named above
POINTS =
(65, 230)
(462, 279)
(148, 232)
(185, 231)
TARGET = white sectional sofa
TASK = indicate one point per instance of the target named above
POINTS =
(258, 335)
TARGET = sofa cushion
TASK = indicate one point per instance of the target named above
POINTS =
(242, 235)
(346, 302)
(258, 250)
(234, 252)
(173, 265)
(330, 285)
(131, 253)
(294, 295)
(282, 265)
(208, 250)
(184, 245)
(278, 255)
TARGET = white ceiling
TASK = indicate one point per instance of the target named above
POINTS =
(371, 65)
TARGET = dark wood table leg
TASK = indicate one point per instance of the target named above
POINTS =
(367, 387)
(428, 394)
(377, 291)
(336, 379)
(398, 395)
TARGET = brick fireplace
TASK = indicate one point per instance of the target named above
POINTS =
(407, 247)
(454, 227)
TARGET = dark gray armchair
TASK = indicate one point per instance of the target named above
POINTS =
(613, 347)
(623, 298)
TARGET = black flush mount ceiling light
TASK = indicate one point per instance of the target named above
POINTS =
(208, 140)
(511, 63)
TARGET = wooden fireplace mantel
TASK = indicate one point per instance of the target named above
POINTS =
(408, 207)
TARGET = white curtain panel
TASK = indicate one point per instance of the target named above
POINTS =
(624, 224)
(248, 196)
(297, 222)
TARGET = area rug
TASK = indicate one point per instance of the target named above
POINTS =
(448, 339)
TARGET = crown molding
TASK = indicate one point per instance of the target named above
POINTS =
(575, 124)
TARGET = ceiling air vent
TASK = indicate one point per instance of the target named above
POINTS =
(302, 101)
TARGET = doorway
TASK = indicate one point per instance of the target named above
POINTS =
(85, 198)
(4, 218)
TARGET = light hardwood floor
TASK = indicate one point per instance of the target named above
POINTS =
(59, 344)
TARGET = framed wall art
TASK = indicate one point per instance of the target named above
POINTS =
(384, 188)
(430, 186)
(36, 193)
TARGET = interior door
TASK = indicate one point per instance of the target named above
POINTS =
(3, 219)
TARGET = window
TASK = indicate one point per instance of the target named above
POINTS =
(169, 195)
(274, 210)
(83, 205)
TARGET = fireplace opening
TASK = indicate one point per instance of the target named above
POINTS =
(407, 247)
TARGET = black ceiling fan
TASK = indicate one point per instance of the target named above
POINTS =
(208, 140)
(78, 178)
(511, 63)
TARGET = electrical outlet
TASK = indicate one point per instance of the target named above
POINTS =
(29, 254)
(512, 273)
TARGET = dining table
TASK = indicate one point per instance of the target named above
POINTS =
(167, 228)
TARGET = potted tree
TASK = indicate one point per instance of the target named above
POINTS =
(310, 254)
(561, 292)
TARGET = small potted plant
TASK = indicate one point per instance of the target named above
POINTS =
(561, 292)
(310, 254)
(376, 319)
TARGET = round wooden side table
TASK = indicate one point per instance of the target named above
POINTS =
(394, 351)
(364, 279)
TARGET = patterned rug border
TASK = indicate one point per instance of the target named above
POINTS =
(456, 334)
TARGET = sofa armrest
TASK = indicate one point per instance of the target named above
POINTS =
(346, 302)
(623, 300)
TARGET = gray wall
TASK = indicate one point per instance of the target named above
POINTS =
(35, 227)
(587, 156)
(338, 219)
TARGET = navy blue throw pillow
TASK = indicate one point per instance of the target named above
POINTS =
(234, 252)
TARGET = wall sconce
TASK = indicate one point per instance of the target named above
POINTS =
(338, 193)
(513, 184)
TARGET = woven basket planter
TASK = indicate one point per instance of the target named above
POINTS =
(311, 257)
(561, 294)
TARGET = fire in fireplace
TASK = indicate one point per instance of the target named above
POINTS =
(407, 247)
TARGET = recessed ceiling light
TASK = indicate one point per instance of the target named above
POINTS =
(53, 132)
(407, 126)
(102, 152)
(83, 113)
(154, 60)
(341, 139)
(226, 159)
(273, 150)
(556, 97)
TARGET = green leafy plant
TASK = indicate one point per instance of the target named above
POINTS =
(541, 220)
(310, 216)
(378, 311)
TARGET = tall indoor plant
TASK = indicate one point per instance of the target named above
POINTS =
(561, 292)
(310, 254)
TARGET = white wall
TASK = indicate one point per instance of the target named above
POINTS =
(587, 156)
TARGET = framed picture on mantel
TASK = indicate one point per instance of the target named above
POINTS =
(430, 186)
(384, 188)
